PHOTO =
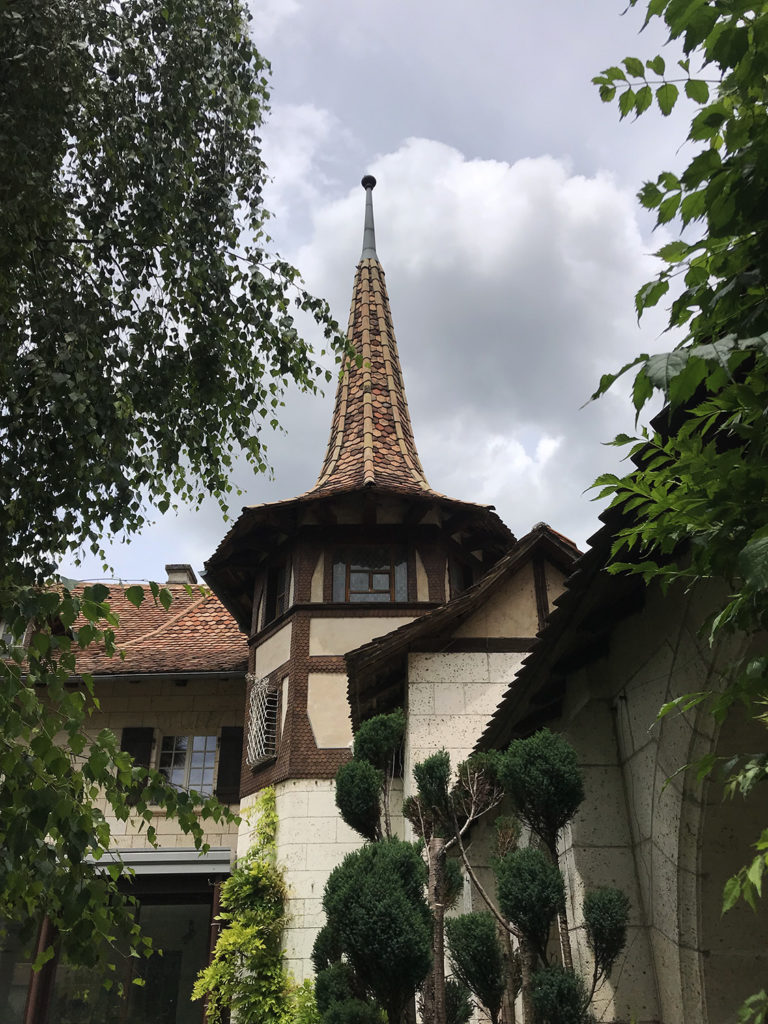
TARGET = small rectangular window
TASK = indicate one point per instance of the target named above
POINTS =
(369, 575)
(188, 762)
(263, 705)
(277, 593)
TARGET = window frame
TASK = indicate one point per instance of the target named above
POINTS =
(186, 787)
(350, 559)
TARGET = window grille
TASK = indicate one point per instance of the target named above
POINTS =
(263, 700)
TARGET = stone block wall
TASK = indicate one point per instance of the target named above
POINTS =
(311, 840)
(199, 707)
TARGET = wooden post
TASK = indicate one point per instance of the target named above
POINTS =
(41, 985)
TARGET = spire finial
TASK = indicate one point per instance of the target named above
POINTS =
(369, 236)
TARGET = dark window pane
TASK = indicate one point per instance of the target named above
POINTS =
(369, 598)
(15, 975)
(359, 580)
(339, 580)
(373, 559)
(380, 581)
(401, 581)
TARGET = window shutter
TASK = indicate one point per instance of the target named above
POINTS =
(230, 764)
(137, 741)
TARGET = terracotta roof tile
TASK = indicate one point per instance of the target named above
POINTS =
(371, 440)
(197, 634)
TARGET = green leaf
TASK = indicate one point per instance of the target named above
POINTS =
(634, 67)
(643, 99)
(752, 563)
(656, 64)
(666, 97)
(135, 595)
(649, 295)
(697, 90)
(626, 102)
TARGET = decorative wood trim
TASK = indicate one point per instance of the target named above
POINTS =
(540, 588)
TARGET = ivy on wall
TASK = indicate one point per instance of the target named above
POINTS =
(247, 974)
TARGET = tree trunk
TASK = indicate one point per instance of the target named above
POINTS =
(437, 903)
(508, 1015)
(565, 940)
(526, 970)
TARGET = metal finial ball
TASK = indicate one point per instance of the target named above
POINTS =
(368, 181)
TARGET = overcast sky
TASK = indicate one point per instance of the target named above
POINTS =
(507, 225)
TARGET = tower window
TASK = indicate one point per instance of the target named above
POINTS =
(277, 593)
(370, 575)
(263, 705)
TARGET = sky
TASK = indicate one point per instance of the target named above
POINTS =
(506, 223)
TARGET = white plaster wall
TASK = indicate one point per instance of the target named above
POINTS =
(273, 652)
(422, 583)
(450, 699)
(318, 575)
(509, 611)
(328, 709)
(332, 636)
(199, 708)
(311, 840)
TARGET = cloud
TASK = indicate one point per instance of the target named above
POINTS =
(511, 285)
(268, 16)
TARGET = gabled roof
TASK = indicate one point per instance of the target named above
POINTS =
(197, 634)
(372, 664)
(577, 631)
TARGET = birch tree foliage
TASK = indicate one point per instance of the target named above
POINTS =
(695, 504)
(146, 328)
(146, 336)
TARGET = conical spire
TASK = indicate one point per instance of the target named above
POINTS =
(371, 442)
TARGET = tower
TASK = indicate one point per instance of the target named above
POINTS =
(369, 548)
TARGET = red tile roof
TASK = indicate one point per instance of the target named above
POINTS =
(197, 634)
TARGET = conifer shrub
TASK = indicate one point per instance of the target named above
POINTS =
(559, 997)
(379, 740)
(458, 1004)
(476, 958)
(375, 906)
(542, 777)
(358, 794)
(531, 894)
(606, 912)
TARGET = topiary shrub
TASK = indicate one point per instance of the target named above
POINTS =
(606, 912)
(476, 958)
(542, 777)
(358, 794)
(531, 894)
(379, 740)
(375, 905)
(559, 997)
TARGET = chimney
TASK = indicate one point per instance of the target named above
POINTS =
(180, 574)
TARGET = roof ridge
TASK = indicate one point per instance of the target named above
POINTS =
(168, 622)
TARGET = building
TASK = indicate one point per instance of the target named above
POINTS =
(369, 549)
(372, 591)
(175, 701)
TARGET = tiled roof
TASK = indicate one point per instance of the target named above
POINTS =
(371, 440)
(197, 634)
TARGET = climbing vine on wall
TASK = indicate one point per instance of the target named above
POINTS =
(247, 974)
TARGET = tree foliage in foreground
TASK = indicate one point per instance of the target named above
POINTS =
(696, 504)
(696, 507)
(145, 327)
(145, 336)
(379, 921)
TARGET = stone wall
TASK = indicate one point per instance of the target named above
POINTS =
(199, 707)
(656, 834)
(311, 840)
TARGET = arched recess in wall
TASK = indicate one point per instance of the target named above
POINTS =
(734, 946)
